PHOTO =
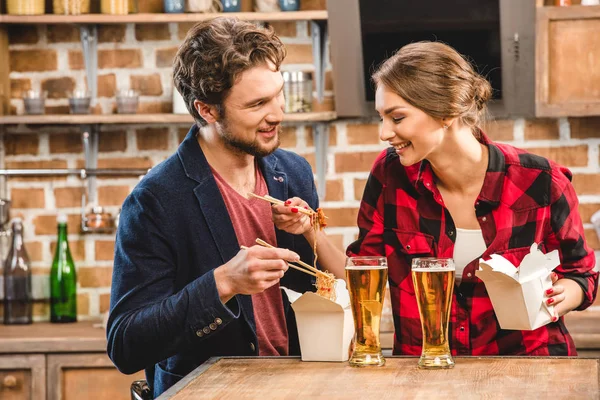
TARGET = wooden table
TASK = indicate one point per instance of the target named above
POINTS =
(472, 378)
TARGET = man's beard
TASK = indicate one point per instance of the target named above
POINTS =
(252, 147)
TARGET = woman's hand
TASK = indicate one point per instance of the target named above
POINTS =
(287, 218)
(565, 295)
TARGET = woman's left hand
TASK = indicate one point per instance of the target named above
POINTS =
(287, 217)
(555, 296)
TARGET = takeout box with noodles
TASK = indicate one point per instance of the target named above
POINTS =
(517, 293)
(325, 327)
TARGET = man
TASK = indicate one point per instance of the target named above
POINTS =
(182, 289)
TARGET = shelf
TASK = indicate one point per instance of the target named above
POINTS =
(155, 18)
(90, 119)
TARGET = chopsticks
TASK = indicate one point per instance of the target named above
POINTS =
(273, 200)
(305, 265)
(290, 265)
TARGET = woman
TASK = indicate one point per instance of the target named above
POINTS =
(445, 189)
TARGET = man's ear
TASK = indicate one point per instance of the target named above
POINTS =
(208, 112)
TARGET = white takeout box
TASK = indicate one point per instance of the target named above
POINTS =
(325, 327)
(517, 294)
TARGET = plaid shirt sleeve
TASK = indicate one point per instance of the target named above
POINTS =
(566, 235)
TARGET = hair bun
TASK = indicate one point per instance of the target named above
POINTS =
(483, 92)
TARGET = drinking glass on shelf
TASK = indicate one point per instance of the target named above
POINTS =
(34, 102)
(367, 278)
(433, 279)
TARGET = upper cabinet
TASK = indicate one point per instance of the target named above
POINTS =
(568, 61)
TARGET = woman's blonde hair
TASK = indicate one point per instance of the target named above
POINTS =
(436, 79)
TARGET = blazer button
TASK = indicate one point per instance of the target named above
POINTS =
(199, 333)
(218, 321)
(213, 326)
(252, 347)
(206, 330)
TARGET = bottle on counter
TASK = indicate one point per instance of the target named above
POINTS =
(63, 279)
(18, 300)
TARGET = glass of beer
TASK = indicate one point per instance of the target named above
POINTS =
(433, 279)
(367, 278)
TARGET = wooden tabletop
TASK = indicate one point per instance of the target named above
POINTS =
(44, 337)
(472, 378)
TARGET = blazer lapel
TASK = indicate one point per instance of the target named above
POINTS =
(213, 208)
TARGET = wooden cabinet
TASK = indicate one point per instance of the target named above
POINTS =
(86, 376)
(59, 362)
(22, 377)
(568, 61)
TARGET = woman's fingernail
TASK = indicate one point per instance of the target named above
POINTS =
(294, 210)
(554, 319)
(306, 207)
(287, 203)
(549, 291)
(554, 276)
(550, 300)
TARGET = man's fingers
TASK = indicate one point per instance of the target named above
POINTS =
(268, 253)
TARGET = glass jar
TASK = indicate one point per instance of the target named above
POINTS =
(232, 5)
(71, 7)
(297, 90)
(289, 5)
(98, 219)
(115, 7)
(25, 7)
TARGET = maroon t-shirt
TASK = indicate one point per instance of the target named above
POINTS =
(251, 219)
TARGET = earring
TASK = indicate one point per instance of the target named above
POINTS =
(445, 127)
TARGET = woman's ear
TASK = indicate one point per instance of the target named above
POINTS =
(447, 123)
(208, 112)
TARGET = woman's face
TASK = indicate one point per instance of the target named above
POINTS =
(414, 134)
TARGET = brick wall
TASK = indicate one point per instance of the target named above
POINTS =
(139, 57)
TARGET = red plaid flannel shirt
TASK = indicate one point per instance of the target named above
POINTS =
(524, 199)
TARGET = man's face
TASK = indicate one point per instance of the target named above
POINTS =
(253, 111)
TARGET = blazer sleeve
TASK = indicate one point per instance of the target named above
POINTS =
(150, 320)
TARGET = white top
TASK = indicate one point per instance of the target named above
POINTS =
(469, 246)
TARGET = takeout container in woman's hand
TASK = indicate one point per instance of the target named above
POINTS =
(517, 293)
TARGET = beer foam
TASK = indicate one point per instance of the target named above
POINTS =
(355, 267)
(435, 269)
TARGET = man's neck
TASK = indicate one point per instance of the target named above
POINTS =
(235, 167)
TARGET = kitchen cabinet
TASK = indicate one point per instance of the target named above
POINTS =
(59, 362)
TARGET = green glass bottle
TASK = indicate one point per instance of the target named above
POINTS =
(63, 279)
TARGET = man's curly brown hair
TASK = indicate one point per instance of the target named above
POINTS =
(213, 55)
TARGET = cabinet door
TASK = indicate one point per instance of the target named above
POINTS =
(568, 56)
(87, 376)
(22, 377)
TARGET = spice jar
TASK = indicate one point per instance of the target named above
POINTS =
(297, 90)
(71, 7)
(98, 219)
(25, 7)
(117, 7)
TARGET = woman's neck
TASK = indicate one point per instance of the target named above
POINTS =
(460, 162)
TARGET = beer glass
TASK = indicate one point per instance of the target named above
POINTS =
(367, 278)
(433, 279)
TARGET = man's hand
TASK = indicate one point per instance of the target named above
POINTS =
(252, 270)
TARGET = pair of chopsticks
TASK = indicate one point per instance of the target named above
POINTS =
(273, 200)
(308, 267)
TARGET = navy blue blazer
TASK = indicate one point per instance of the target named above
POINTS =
(165, 313)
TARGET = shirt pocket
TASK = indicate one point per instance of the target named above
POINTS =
(409, 245)
(516, 255)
